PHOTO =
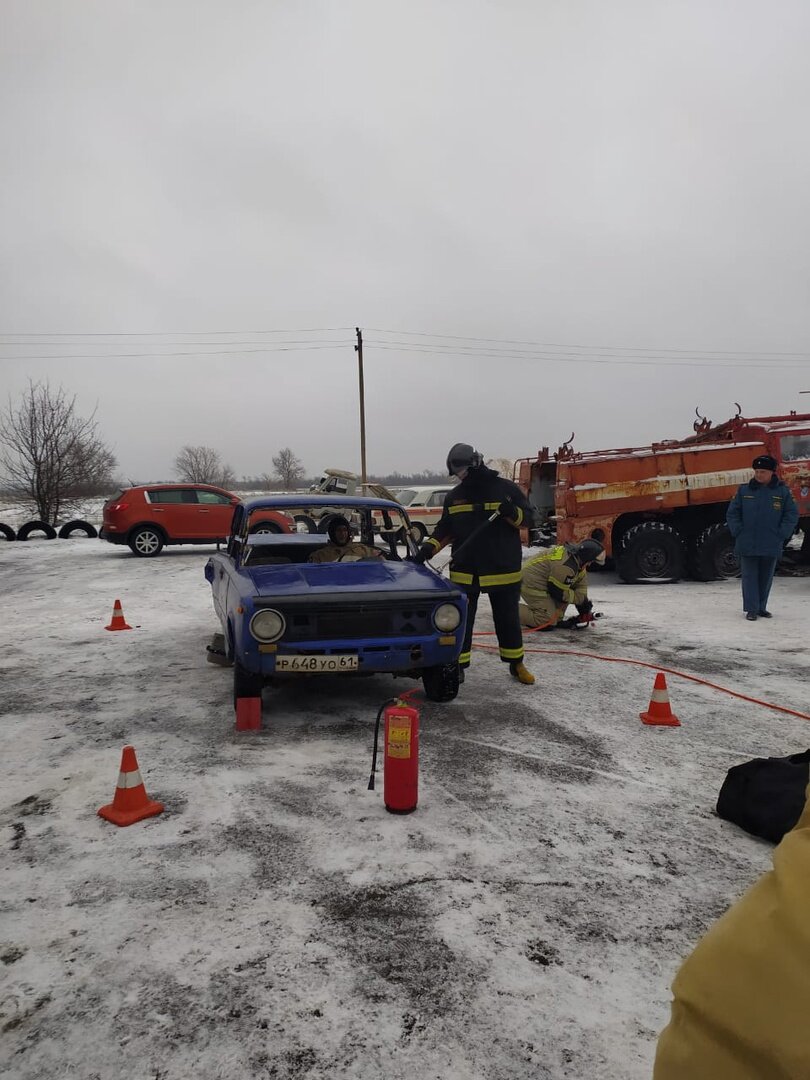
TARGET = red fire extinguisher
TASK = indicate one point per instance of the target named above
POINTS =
(400, 755)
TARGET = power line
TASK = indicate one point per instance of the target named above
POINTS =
(432, 350)
(168, 333)
(573, 358)
(199, 355)
(599, 348)
(159, 344)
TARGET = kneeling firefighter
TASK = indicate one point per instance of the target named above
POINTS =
(554, 580)
(481, 519)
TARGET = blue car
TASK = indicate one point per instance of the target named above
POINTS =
(295, 604)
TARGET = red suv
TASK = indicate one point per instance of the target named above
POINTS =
(149, 517)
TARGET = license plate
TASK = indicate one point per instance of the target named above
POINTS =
(316, 663)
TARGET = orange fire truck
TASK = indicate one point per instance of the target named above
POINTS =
(660, 509)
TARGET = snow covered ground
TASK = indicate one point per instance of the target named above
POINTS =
(526, 921)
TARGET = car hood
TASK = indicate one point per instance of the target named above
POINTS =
(366, 577)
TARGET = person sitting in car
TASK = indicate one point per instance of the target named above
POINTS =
(342, 548)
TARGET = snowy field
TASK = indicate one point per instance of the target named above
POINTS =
(525, 922)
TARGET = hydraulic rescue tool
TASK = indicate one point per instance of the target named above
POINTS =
(579, 622)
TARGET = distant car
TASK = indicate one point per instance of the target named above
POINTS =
(424, 506)
(284, 616)
(153, 515)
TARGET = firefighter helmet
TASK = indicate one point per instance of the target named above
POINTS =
(462, 457)
(588, 551)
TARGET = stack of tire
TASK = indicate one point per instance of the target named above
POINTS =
(83, 528)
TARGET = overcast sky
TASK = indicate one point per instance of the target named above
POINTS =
(619, 180)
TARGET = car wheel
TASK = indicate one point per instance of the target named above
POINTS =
(264, 528)
(651, 551)
(305, 524)
(713, 554)
(418, 527)
(7, 533)
(441, 682)
(146, 542)
(77, 526)
(245, 683)
(36, 526)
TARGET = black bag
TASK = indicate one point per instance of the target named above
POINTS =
(766, 796)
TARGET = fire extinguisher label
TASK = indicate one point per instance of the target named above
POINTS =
(399, 740)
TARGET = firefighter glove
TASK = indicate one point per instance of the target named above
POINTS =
(508, 510)
(423, 554)
(585, 608)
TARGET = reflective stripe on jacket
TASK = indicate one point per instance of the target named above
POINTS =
(493, 557)
(554, 575)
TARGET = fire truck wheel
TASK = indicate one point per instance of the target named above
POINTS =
(651, 551)
(245, 683)
(712, 555)
(440, 682)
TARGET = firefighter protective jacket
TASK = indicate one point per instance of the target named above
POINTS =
(553, 579)
(493, 558)
(740, 1008)
(761, 517)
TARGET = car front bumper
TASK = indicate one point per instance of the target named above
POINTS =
(373, 657)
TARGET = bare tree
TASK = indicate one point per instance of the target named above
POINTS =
(203, 465)
(49, 455)
(288, 467)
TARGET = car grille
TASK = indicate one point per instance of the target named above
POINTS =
(335, 624)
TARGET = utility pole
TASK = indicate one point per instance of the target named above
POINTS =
(359, 350)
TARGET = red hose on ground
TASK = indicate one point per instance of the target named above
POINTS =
(655, 667)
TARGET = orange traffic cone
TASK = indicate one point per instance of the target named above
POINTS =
(659, 712)
(118, 622)
(130, 802)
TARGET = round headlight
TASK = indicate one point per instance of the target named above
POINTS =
(446, 617)
(267, 625)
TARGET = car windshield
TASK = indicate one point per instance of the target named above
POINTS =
(405, 495)
(367, 524)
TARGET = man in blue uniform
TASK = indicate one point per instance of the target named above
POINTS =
(761, 517)
(489, 553)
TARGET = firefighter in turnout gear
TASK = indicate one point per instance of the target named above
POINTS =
(556, 578)
(486, 554)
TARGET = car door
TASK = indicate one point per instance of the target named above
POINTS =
(214, 513)
(175, 510)
(435, 505)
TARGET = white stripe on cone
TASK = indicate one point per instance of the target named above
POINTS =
(130, 779)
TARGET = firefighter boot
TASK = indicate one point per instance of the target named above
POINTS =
(521, 673)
